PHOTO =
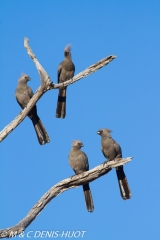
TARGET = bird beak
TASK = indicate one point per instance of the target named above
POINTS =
(29, 78)
(98, 132)
(82, 145)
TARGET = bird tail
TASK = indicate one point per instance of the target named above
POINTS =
(88, 198)
(61, 103)
(41, 132)
(123, 183)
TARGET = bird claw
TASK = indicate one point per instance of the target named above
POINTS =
(118, 158)
(83, 173)
(73, 176)
(104, 163)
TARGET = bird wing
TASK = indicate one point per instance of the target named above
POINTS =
(86, 161)
(59, 71)
(22, 96)
(30, 92)
(19, 101)
(73, 68)
(118, 149)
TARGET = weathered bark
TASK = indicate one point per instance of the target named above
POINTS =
(57, 189)
(46, 85)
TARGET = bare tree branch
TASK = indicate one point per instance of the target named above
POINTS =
(59, 188)
(45, 79)
(46, 85)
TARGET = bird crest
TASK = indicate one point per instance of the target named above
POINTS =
(68, 48)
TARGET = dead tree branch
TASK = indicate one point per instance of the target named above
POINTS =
(59, 188)
(47, 84)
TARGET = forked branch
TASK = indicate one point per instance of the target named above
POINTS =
(47, 84)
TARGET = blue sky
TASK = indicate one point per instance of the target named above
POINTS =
(123, 96)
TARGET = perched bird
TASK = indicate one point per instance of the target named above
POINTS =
(66, 71)
(23, 94)
(111, 150)
(79, 162)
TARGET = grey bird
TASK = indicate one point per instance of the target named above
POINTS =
(79, 162)
(111, 150)
(23, 94)
(66, 71)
